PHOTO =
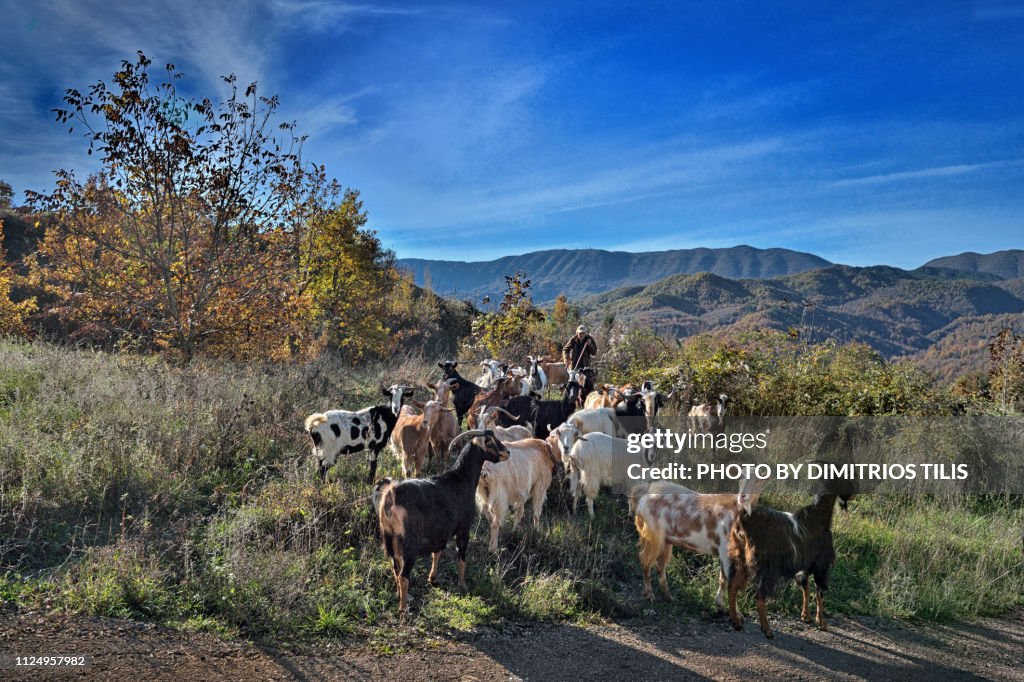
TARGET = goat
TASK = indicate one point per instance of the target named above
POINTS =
(654, 400)
(708, 417)
(630, 414)
(770, 546)
(596, 460)
(340, 432)
(505, 434)
(447, 427)
(492, 373)
(503, 389)
(669, 515)
(545, 412)
(538, 379)
(419, 515)
(525, 475)
(557, 373)
(596, 420)
(411, 436)
(463, 390)
(604, 395)
(585, 378)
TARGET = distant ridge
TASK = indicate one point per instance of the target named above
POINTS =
(1007, 264)
(579, 272)
(938, 316)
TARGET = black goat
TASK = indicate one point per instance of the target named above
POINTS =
(585, 378)
(463, 393)
(631, 413)
(554, 412)
(421, 515)
(770, 546)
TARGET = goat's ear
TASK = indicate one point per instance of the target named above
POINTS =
(454, 365)
(432, 387)
(750, 492)
(385, 391)
(417, 404)
(441, 365)
(455, 386)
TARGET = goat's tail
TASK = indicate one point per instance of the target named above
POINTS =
(315, 419)
(652, 541)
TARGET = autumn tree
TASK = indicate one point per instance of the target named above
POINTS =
(12, 315)
(203, 230)
(509, 332)
(6, 195)
(346, 276)
(1006, 376)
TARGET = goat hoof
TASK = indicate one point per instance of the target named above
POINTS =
(769, 634)
(737, 625)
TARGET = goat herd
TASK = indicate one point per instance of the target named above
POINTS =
(513, 446)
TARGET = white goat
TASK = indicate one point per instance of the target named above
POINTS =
(596, 420)
(525, 475)
(596, 460)
(506, 434)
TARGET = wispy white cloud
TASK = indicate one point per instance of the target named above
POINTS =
(924, 173)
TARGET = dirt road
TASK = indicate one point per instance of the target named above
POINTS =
(855, 648)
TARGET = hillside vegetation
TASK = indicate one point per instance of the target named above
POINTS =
(134, 488)
(939, 316)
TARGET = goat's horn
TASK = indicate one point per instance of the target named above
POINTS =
(505, 412)
(462, 436)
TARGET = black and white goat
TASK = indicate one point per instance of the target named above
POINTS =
(340, 432)
(769, 547)
(419, 516)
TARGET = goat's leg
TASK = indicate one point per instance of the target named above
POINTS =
(719, 600)
(540, 493)
(497, 518)
(819, 611)
(590, 505)
(762, 617)
(433, 567)
(735, 584)
(373, 467)
(724, 567)
(805, 613)
(518, 511)
(648, 590)
(666, 556)
(462, 546)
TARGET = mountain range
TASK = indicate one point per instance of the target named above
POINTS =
(941, 314)
(940, 317)
(578, 272)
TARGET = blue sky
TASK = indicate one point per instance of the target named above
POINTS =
(864, 132)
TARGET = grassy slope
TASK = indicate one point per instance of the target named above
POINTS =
(132, 488)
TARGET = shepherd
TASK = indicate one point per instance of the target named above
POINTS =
(579, 350)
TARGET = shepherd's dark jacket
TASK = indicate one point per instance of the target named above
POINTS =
(575, 347)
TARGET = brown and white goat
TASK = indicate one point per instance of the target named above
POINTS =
(708, 417)
(504, 388)
(769, 547)
(669, 515)
(525, 475)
